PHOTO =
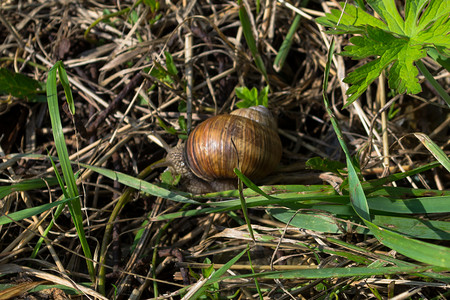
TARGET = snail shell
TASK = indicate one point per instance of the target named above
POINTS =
(245, 139)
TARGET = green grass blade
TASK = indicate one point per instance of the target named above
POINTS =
(58, 211)
(27, 185)
(334, 272)
(250, 39)
(399, 176)
(433, 82)
(323, 219)
(65, 84)
(141, 185)
(243, 202)
(63, 155)
(434, 149)
(286, 45)
(439, 58)
(250, 184)
(357, 195)
(418, 250)
(317, 221)
(417, 228)
(420, 205)
(29, 212)
(258, 288)
(404, 192)
(215, 277)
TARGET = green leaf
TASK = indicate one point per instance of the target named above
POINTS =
(334, 272)
(182, 123)
(422, 229)
(168, 129)
(66, 86)
(420, 205)
(263, 98)
(168, 178)
(251, 97)
(353, 19)
(165, 76)
(396, 43)
(399, 53)
(171, 68)
(18, 85)
(322, 218)
(134, 17)
(312, 220)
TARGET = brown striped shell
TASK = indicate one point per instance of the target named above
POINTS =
(224, 142)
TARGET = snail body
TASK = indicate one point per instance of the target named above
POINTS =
(245, 139)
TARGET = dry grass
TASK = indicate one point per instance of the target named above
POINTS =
(116, 126)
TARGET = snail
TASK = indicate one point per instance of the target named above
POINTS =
(246, 139)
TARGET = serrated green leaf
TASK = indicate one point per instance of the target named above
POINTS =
(435, 10)
(389, 13)
(436, 35)
(353, 19)
(398, 53)
(394, 42)
(412, 12)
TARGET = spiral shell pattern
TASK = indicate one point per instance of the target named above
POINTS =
(224, 142)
